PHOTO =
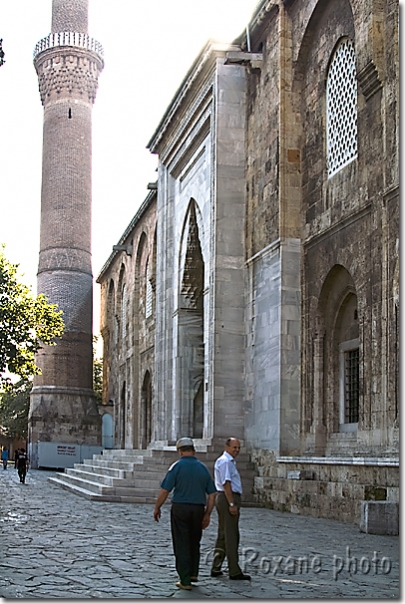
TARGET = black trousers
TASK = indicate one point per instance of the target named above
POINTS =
(186, 522)
(21, 473)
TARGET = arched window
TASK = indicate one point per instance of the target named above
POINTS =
(124, 310)
(121, 311)
(111, 310)
(341, 107)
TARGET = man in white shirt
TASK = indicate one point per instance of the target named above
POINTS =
(229, 487)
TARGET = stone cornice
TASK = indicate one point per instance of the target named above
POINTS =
(68, 390)
(369, 80)
(210, 52)
(342, 461)
(152, 196)
(339, 226)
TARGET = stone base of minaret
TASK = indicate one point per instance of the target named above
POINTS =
(64, 427)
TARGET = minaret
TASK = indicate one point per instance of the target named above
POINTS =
(68, 62)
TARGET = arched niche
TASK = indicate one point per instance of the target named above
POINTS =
(191, 325)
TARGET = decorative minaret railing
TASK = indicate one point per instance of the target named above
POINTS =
(68, 38)
(63, 412)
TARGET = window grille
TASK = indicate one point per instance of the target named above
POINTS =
(341, 108)
(351, 394)
(149, 292)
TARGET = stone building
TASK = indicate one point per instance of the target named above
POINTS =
(128, 305)
(255, 293)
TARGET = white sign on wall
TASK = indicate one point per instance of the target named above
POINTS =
(64, 455)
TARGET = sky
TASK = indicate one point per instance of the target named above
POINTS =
(148, 49)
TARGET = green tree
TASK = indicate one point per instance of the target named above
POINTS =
(27, 323)
(2, 59)
(97, 373)
(14, 408)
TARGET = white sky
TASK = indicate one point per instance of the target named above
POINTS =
(149, 47)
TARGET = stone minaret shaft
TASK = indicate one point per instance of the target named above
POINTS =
(68, 63)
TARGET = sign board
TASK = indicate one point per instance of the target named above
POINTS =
(64, 455)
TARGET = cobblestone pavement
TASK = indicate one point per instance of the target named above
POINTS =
(58, 545)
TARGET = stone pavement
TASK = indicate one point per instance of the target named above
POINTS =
(55, 544)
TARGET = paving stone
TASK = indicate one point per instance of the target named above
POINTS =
(118, 551)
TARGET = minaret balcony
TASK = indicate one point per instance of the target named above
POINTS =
(68, 38)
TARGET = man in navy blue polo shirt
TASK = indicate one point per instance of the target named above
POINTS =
(193, 500)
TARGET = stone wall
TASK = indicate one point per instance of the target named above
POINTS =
(329, 490)
(345, 276)
(277, 274)
(128, 328)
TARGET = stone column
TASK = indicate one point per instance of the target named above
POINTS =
(227, 332)
(68, 63)
(318, 425)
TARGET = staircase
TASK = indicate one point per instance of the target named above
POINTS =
(134, 476)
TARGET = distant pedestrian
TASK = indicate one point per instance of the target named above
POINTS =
(4, 457)
(229, 486)
(192, 503)
(22, 465)
(16, 454)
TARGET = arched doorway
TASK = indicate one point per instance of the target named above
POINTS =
(146, 411)
(107, 433)
(122, 415)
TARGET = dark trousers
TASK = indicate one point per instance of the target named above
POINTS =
(186, 521)
(21, 473)
(227, 542)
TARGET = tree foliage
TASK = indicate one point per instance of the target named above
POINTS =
(2, 59)
(27, 323)
(97, 373)
(14, 408)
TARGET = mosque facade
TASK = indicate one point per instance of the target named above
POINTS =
(255, 293)
(260, 297)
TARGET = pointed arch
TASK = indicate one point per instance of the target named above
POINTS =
(110, 301)
(191, 361)
(122, 411)
(109, 338)
(142, 313)
(122, 302)
(337, 392)
(146, 411)
(140, 274)
(191, 259)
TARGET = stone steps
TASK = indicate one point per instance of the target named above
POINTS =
(133, 476)
(84, 492)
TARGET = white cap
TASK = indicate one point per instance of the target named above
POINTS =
(184, 442)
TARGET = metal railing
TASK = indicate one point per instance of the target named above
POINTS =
(68, 38)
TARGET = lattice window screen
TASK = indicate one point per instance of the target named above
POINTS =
(149, 292)
(341, 108)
